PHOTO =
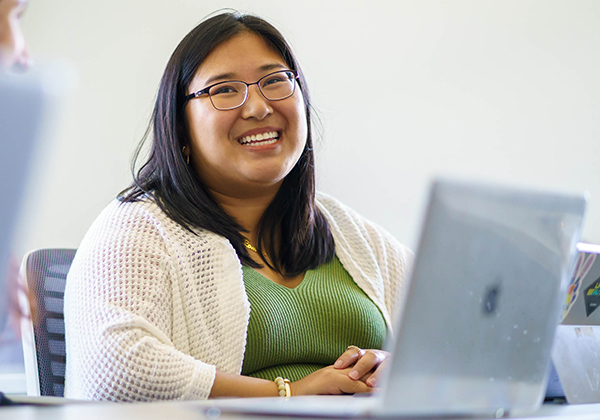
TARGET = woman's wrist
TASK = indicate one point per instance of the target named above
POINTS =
(235, 385)
(295, 388)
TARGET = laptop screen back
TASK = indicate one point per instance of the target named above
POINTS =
(484, 300)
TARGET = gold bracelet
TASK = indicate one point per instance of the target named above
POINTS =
(283, 387)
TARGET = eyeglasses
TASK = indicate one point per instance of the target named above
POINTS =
(233, 94)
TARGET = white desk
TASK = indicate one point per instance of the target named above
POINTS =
(198, 411)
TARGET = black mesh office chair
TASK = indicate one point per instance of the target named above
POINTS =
(45, 272)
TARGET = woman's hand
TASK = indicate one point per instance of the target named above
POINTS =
(362, 364)
(330, 381)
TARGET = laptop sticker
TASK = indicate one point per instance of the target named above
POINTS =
(584, 332)
(592, 297)
(583, 265)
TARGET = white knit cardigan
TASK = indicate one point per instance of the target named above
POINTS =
(152, 310)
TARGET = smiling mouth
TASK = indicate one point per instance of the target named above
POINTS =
(260, 139)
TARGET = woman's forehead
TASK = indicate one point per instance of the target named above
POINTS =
(245, 55)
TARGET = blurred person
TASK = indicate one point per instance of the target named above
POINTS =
(13, 55)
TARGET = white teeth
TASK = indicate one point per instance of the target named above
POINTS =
(262, 143)
(260, 139)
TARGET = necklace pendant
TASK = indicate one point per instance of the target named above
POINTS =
(252, 248)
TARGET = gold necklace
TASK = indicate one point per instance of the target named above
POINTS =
(248, 245)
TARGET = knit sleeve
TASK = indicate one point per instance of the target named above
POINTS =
(119, 312)
(395, 263)
(375, 259)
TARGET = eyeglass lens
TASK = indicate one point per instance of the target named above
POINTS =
(274, 87)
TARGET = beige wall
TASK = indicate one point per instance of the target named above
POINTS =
(498, 90)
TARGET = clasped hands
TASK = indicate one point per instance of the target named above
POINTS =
(355, 371)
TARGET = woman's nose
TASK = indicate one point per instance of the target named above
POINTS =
(256, 105)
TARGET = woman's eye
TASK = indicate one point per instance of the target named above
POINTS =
(218, 90)
(273, 80)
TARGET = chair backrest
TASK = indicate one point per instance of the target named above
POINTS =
(45, 273)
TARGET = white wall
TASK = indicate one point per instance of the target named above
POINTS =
(505, 91)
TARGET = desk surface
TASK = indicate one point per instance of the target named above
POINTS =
(175, 410)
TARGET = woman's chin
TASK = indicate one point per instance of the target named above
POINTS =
(266, 176)
(266, 182)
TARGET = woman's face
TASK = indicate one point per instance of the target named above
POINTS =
(225, 162)
(13, 50)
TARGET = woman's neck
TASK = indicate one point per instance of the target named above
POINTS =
(247, 211)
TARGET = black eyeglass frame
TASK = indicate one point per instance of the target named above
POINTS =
(207, 89)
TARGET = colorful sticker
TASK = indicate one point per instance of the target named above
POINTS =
(583, 265)
(592, 297)
(584, 332)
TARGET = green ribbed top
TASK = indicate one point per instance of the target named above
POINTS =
(294, 332)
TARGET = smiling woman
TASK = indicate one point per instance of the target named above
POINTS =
(220, 271)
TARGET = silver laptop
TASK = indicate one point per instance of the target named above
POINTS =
(576, 351)
(480, 314)
(22, 100)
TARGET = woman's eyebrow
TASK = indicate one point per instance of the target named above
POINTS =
(230, 76)
(223, 76)
(273, 66)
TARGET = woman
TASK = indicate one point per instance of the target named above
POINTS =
(218, 271)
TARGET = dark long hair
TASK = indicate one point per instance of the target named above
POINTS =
(295, 231)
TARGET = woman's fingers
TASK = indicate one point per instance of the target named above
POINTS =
(329, 381)
(373, 380)
(354, 387)
(370, 361)
(349, 357)
(365, 364)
